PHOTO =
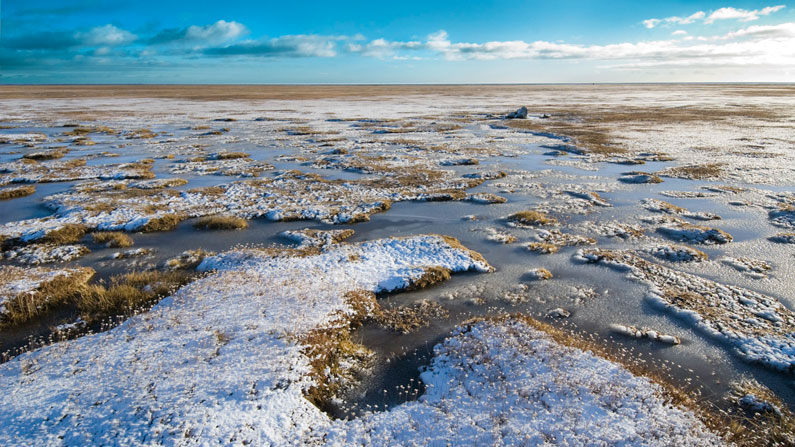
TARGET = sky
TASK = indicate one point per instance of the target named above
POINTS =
(340, 42)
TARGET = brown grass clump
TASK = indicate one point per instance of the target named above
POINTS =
(46, 155)
(166, 222)
(406, 319)
(229, 155)
(82, 131)
(68, 234)
(20, 191)
(544, 248)
(595, 140)
(331, 351)
(112, 239)
(140, 134)
(221, 223)
(767, 421)
(29, 306)
(127, 293)
(430, 276)
(531, 217)
(695, 172)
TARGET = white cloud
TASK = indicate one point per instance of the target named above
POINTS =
(679, 32)
(381, 48)
(765, 45)
(107, 35)
(219, 32)
(299, 45)
(726, 13)
(651, 23)
(742, 15)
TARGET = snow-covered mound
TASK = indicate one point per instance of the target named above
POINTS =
(220, 362)
(504, 382)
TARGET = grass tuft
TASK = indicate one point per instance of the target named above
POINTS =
(166, 222)
(531, 217)
(112, 239)
(68, 234)
(221, 223)
(14, 193)
(128, 293)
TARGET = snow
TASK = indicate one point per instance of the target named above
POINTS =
(757, 325)
(506, 383)
(220, 360)
(45, 253)
(18, 281)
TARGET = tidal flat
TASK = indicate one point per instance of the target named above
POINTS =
(382, 265)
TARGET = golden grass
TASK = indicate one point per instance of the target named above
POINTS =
(430, 276)
(330, 349)
(771, 428)
(112, 239)
(230, 155)
(696, 172)
(221, 223)
(30, 306)
(46, 155)
(68, 234)
(16, 192)
(531, 217)
(544, 248)
(406, 319)
(166, 222)
(128, 293)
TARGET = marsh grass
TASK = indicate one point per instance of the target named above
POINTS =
(406, 319)
(16, 192)
(165, 222)
(112, 239)
(46, 155)
(695, 172)
(531, 217)
(68, 234)
(544, 248)
(228, 155)
(221, 223)
(128, 293)
(331, 351)
(29, 306)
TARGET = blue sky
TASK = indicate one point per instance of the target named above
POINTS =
(103, 41)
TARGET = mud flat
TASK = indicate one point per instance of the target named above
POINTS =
(387, 253)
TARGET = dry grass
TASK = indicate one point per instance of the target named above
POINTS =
(544, 248)
(128, 293)
(112, 239)
(68, 234)
(406, 319)
(532, 217)
(430, 276)
(774, 427)
(46, 155)
(229, 155)
(30, 306)
(20, 191)
(166, 222)
(331, 351)
(140, 134)
(695, 172)
(221, 223)
(85, 130)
